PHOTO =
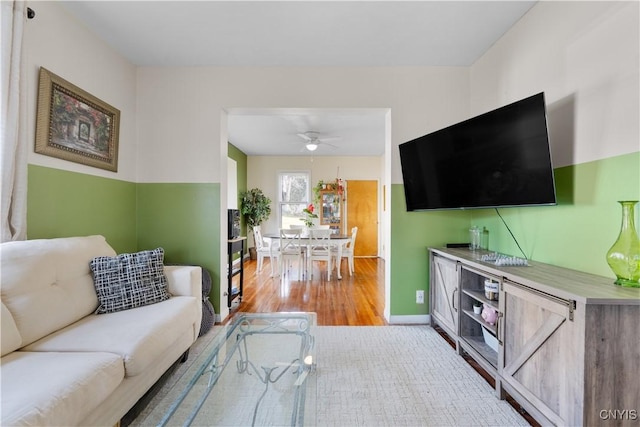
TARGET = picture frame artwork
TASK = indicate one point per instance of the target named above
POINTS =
(74, 125)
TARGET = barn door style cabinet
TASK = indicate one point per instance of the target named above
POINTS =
(444, 291)
(565, 343)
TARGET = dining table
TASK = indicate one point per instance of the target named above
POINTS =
(336, 240)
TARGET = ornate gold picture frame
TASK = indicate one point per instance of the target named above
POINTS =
(74, 125)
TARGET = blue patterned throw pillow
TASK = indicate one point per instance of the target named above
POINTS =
(129, 280)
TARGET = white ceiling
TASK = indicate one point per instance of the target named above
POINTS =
(353, 132)
(301, 33)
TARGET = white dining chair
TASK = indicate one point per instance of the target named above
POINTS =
(290, 250)
(319, 249)
(265, 248)
(347, 252)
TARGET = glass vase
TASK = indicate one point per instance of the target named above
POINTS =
(624, 255)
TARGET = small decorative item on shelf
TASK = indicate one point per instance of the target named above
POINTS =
(477, 307)
(339, 187)
(624, 255)
(484, 239)
(491, 290)
(309, 216)
(489, 315)
(474, 238)
(490, 339)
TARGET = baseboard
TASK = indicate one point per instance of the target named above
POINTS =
(416, 319)
(420, 319)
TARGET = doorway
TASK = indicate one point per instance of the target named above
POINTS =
(362, 212)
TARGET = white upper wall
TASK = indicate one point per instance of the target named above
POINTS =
(180, 109)
(582, 54)
(585, 56)
(57, 42)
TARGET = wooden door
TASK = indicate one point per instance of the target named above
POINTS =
(362, 212)
(444, 293)
(541, 356)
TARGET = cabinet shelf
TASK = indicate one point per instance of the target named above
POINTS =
(482, 348)
(479, 296)
(478, 318)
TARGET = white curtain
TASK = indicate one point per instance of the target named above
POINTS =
(13, 147)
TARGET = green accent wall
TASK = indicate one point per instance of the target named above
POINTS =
(185, 220)
(411, 234)
(182, 218)
(576, 234)
(241, 163)
(63, 204)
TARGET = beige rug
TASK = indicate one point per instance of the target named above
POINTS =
(379, 376)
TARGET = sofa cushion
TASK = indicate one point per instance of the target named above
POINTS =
(138, 335)
(47, 283)
(10, 339)
(129, 280)
(56, 389)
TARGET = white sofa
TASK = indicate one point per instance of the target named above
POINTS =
(64, 365)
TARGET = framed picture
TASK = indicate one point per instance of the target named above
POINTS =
(74, 125)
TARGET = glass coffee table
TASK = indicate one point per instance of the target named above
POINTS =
(258, 370)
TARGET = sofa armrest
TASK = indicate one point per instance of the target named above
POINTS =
(184, 280)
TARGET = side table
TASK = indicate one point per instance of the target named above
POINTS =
(235, 246)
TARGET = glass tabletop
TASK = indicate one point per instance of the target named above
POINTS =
(258, 370)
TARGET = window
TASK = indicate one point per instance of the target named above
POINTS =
(294, 192)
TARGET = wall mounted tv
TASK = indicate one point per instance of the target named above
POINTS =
(497, 159)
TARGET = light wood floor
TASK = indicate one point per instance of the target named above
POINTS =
(356, 300)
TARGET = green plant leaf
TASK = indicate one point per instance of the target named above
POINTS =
(255, 206)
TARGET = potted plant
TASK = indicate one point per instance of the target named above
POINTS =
(477, 307)
(317, 189)
(256, 208)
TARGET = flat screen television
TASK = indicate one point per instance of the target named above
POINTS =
(233, 223)
(497, 159)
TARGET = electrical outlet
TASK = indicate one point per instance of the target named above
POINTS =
(419, 297)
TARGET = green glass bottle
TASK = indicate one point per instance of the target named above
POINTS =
(624, 255)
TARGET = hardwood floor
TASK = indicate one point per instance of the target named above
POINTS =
(356, 300)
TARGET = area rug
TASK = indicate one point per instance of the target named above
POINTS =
(380, 376)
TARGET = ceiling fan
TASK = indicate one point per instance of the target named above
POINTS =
(313, 140)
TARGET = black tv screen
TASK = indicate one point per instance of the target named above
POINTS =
(497, 159)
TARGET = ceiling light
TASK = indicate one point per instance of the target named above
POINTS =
(311, 146)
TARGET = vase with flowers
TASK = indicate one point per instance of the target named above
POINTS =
(309, 215)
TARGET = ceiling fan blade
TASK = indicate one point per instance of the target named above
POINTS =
(304, 136)
(330, 138)
(330, 145)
